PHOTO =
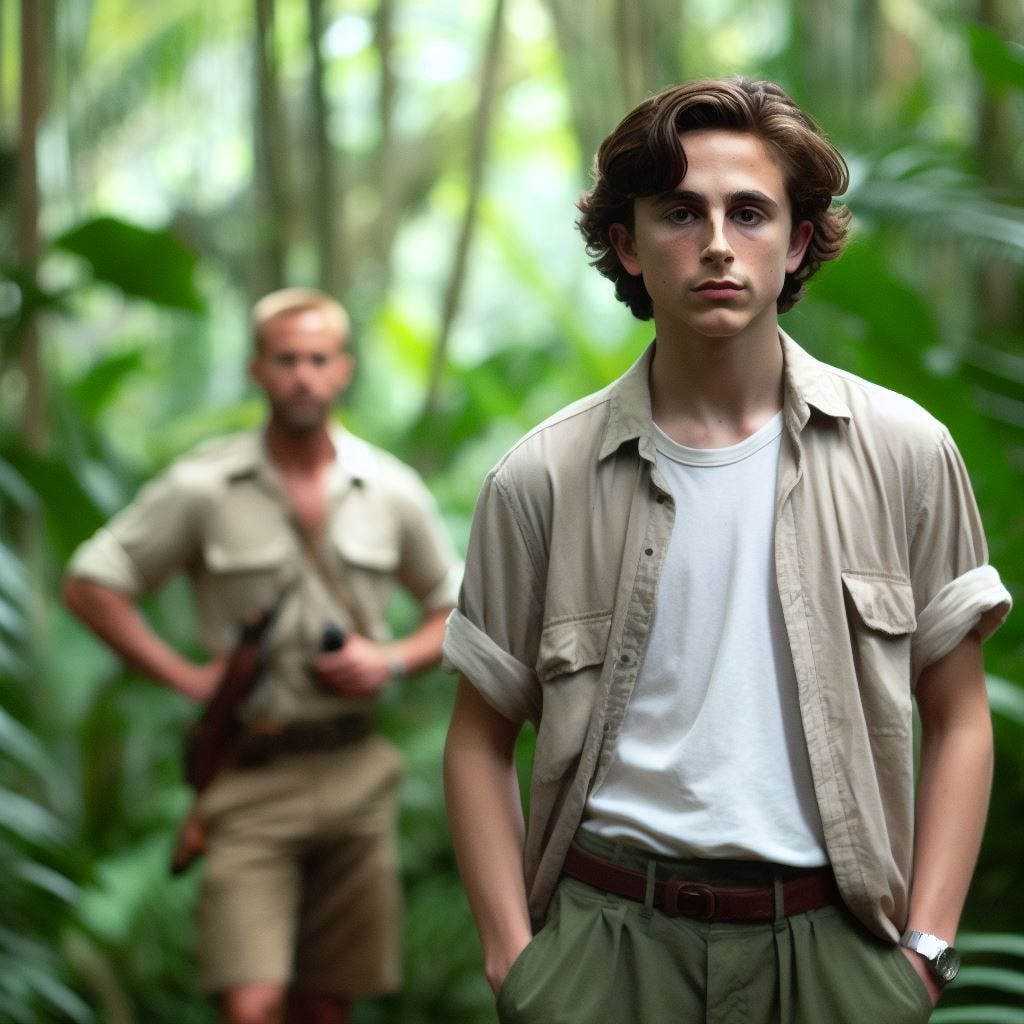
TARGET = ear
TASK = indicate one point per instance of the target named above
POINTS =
(256, 370)
(625, 248)
(798, 242)
(344, 367)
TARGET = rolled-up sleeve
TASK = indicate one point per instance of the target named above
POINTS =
(493, 635)
(155, 535)
(509, 686)
(955, 589)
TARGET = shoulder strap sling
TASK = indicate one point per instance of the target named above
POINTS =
(315, 557)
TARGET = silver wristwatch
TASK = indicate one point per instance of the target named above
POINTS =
(942, 958)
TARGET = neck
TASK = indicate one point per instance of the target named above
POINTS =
(299, 452)
(712, 392)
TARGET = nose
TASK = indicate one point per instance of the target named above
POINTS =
(303, 377)
(717, 249)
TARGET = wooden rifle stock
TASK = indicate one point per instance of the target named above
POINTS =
(210, 745)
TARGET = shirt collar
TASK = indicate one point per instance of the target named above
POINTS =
(354, 461)
(629, 405)
(807, 384)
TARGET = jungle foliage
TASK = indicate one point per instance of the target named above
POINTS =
(165, 163)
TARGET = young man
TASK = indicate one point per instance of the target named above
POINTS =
(716, 588)
(300, 903)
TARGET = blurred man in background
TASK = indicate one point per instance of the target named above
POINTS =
(717, 588)
(300, 905)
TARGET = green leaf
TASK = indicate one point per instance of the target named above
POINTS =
(101, 382)
(12, 1009)
(962, 213)
(56, 993)
(1007, 699)
(998, 979)
(13, 578)
(28, 819)
(11, 663)
(13, 486)
(1006, 943)
(71, 512)
(141, 262)
(19, 744)
(998, 61)
(47, 879)
(977, 1015)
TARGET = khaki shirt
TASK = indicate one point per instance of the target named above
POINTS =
(880, 563)
(220, 515)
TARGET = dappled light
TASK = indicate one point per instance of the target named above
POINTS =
(170, 163)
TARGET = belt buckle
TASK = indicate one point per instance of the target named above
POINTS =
(689, 899)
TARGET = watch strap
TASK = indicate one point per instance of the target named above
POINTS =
(927, 945)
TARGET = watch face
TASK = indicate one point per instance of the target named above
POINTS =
(947, 964)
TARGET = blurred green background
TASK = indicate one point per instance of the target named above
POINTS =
(165, 162)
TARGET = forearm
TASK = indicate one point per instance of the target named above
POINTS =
(421, 649)
(482, 795)
(115, 619)
(955, 779)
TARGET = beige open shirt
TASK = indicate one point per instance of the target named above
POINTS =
(881, 566)
(220, 515)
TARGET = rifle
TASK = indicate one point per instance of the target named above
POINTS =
(212, 739)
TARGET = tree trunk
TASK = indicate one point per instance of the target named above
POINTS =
(32, 425)
(270, 184)
(478, 161)
(33, 413)
(590, 56)
(994, 146)
(328, 191)
(835, 56)
(615, 53)
(389, 181)
(650, 40)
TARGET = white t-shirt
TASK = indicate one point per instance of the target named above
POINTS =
(711, 759)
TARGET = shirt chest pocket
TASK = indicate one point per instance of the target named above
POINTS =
(570, 663)
(369, 544)
(367, 540)
(247, 566)
(881, 620)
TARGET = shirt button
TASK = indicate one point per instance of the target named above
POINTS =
(649, 551)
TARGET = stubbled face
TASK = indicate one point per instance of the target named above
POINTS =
(302, 368)
(714, 251)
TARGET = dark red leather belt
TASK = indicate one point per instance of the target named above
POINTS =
(677, 897)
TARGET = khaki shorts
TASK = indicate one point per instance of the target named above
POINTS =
(300, 881)
(600, 957)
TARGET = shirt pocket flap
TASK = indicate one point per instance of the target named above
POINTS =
(885, 605)
(246, 552)
(570, 645)
(373, 546)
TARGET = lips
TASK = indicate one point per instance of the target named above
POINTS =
(719, 291)
(719, 286)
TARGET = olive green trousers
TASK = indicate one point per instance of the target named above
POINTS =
(603, 959)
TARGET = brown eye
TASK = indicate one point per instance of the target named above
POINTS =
(681, 216)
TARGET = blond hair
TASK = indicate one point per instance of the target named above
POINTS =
(287, 301)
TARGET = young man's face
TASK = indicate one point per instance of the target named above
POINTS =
(302, 368)
(714, 251)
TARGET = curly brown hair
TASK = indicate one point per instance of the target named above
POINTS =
(644, 156)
